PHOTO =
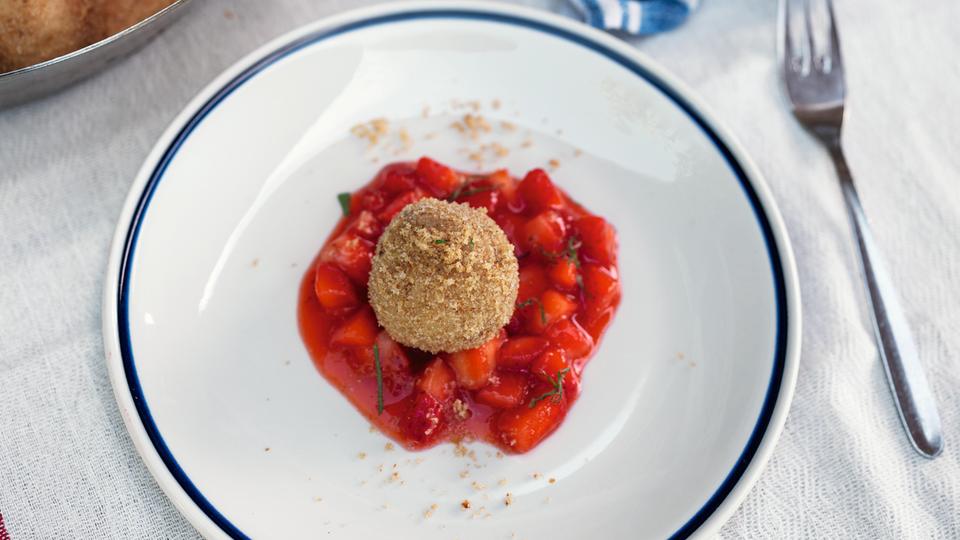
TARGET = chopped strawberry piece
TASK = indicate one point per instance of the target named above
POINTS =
(437, 380)
(394, 364)
(486, 200)
(571, 337)
(549, 364)
(512, 226)
(397, 178)
(557, 305)
(548, 367)
(533, 281)
(520, 351)
(538, 191)
(544, 232)
(506, 186)
(473, 367)
(352, 254)
(399, 204)
(506, 390)
(523, 427)
(599, 239)
(600, 286)
(424, 420)
(563, 273)
(393, 359)
(357, 330)
(596, 322)
(365, 225)
(333, 288)
(439, 179)
(553, 306)
(369, 199)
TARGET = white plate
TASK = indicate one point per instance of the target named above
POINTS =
(681, 405)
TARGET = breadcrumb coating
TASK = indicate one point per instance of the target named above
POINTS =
(444, 277)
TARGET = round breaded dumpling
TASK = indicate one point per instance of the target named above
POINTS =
(444, 277)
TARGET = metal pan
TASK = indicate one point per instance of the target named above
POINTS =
(31, 82)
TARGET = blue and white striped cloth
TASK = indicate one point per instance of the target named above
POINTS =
(635, 16)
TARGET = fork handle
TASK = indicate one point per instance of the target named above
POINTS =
(911, 391)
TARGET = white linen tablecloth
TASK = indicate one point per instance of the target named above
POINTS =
(842, 468)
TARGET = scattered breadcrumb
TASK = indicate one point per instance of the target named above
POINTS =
(429, 511)
(553, 163)
(479, 486)
(395, 476)
(499, 455)
(526, 144)
(267, 449)
(502, 482)
(536, 476)
(380, 468)
(481, 512)
(508, 499)
(464, 473)
(499, 149)
(465, 504)
(372, 131)
(362, 455)
(552, 480)
(389, 448)
(495, 104)
(577, 152)
(255, 262)
(405, 141)
(508, 126)
(472, 125)
(318, 499)
(459, 449)
(461, 410)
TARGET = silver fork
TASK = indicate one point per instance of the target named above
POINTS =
(813, 73)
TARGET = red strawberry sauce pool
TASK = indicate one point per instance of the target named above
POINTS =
(512, 391)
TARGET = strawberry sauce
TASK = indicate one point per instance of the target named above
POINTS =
(512, 391)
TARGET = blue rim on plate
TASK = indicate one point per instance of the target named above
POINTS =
(779, 360)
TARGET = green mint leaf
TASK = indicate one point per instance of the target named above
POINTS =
(344, 199)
